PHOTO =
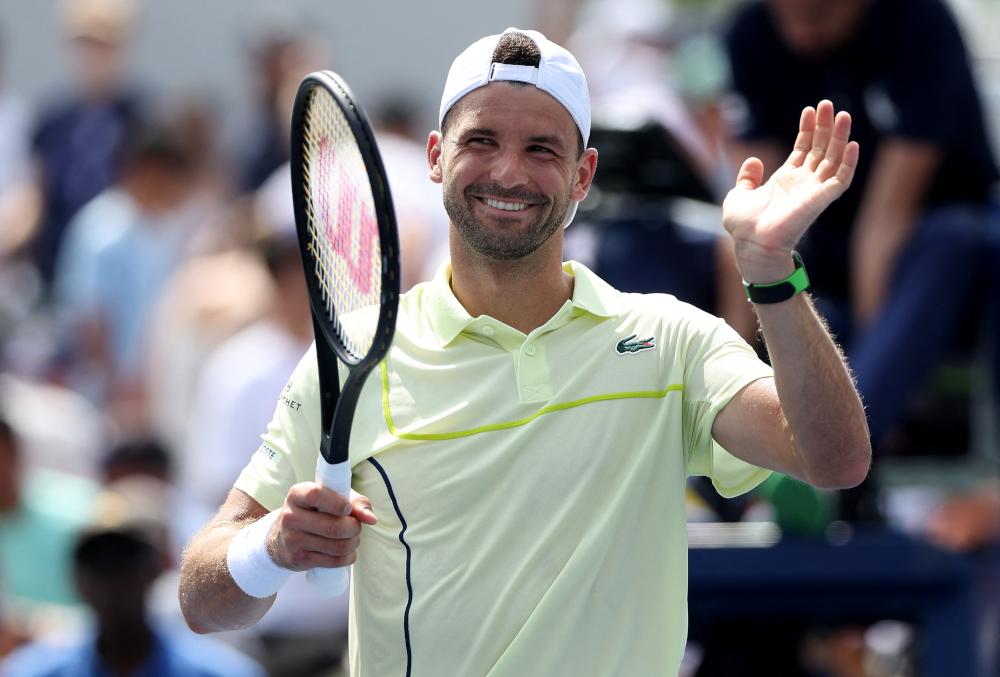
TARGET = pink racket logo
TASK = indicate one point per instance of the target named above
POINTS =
(349, 226)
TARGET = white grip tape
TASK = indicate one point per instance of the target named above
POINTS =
(337, 477)
(250, 564)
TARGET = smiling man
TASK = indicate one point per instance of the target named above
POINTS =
(526, 442)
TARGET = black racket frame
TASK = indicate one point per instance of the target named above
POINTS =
(338, 405)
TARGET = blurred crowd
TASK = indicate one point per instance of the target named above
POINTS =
(152, 303)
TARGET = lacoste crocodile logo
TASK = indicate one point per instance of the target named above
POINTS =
(627, 345)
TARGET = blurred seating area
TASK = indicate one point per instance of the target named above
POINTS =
(152, 306)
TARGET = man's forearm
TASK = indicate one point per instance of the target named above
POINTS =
(817, 394)
(210, 599)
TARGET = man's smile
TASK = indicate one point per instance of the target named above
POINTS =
(505, 205)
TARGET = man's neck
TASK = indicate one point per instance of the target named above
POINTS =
(523, 294)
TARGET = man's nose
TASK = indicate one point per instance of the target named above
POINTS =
(509, 169)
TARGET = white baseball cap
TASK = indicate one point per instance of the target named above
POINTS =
(558, 74)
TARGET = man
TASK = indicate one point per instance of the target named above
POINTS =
(116, 562)
(78, 140)
(119, 251)
(526, 443)
(41, 512)
(907, 250)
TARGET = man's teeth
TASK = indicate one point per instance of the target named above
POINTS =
(509, 206)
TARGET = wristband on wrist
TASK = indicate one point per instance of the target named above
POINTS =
(249, 562)
(782, 290)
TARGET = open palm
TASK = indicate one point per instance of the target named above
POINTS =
(773, 216)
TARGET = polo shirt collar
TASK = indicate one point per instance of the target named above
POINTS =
(449, 318)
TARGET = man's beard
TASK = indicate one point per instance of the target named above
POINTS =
(497, 244)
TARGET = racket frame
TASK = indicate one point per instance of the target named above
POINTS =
(337, 406)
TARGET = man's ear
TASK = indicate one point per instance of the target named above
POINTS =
(434, 142)
(585, 171)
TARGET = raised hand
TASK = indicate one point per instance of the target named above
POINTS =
(766, 221)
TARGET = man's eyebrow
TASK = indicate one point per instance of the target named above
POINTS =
(479, 131)
(547, 139)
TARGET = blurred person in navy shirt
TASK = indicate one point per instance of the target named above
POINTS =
(909, 252)
(78, 138)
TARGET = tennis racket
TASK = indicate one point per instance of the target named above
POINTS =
(350, 252)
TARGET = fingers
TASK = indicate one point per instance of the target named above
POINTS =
(823, 146)
(319, 528)
(822, 134)
(848, 163)
(751, 173)
(804, 141)
(840, 133)
(362, 508)
(307, 551)
(312, 496)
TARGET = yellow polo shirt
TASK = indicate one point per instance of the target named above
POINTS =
(529, 488)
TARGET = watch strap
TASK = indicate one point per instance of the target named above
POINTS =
(782, 290)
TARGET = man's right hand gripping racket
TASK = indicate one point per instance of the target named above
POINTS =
(350, 252)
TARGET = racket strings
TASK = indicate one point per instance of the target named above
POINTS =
(342, 224)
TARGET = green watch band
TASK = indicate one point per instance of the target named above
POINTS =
(782, 290)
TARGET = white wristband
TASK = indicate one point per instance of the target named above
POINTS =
(250, 564)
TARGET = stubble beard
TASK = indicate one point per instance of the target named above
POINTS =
(495, 243)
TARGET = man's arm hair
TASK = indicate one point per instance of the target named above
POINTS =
(210, 599)
(807, 421)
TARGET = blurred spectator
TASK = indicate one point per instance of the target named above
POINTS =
(19, 205)
(235, 396)
(115, 564)
(630, 50)
(900, 259)
(196, 123)
(422, 221)
(282, 53)
(649, 225)
(41, 512)
(147, 463)
(78, 139)
(72, 447)
(120, 250)
(211, 297)
(136, 457)
(967, 521)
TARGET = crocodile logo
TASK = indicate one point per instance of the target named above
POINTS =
(627, 345)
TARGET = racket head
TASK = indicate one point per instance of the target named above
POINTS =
(345, 222)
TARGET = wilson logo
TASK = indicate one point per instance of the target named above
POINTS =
(350, 226)
(629, 345)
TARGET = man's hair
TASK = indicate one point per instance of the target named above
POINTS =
(516, 49)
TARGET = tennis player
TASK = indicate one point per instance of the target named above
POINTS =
(525, 443)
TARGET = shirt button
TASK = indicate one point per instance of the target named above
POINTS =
(488, 330)
(529, 350)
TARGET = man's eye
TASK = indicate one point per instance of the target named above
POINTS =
(480, 141)
(541, 149)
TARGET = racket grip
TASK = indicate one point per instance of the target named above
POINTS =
(337, 477)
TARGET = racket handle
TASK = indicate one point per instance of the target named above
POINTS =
(337, 477)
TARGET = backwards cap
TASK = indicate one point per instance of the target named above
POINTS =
(558, 74)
